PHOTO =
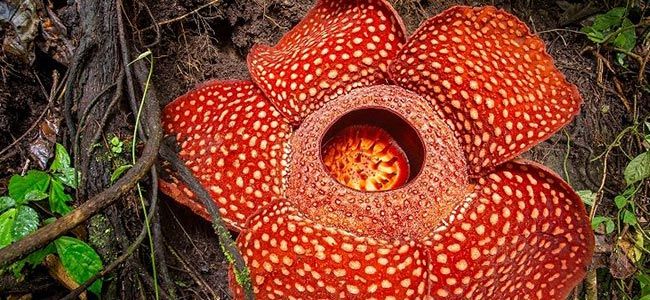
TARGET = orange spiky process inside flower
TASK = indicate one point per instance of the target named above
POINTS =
(366, 158)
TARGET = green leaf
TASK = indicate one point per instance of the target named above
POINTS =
(629, 218)
(35, 195)
(34, 180)
(644, 283)
(67, 177)
(638, 168)
(609, 224)
(6, 203)
(16, 223)
(620, 201)
(594, 35)
(587, 196)
(606, 24)
(26, 222)
(34, 259)
(61, 159)
(58, 198)
(7, 227)
(116, 145)
(61, 167)
(119, 171)
(643, 279)
(626, 39)
(80, 261)
(610, 19)
(116, 149)
(620, 59)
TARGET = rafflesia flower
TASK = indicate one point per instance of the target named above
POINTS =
(361, 164)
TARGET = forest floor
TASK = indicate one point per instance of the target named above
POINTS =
(196, 40)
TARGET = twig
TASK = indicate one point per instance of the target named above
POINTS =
(157, 31)
(591, 285)
(566, 156)
(181, 16)
(599, 193)
(167, 283)
(621, 95)
(199, 252)
(36, 123)
(38, 120)
(124, 49)
(192, 272)
(228, 246)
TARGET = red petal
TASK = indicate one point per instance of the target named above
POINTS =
(234, 141)
(291, 257)
(491, 79)
(523, 233)
(366, 158)
(339, 45)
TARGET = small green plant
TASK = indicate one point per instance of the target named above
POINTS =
(608, 225)
(18, 219)
(116, 146)
(615, 29)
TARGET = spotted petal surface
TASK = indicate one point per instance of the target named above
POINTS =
(291, 257)
(338, 46)
(492, 80)
(234, 141)
(523, 234)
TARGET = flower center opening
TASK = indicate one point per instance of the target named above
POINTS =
(372, 149)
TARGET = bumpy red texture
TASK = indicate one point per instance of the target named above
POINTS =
(522, 234)
(234, 141)
(491, 79)
(338, 46)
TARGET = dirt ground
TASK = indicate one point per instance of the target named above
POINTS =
(196, 42)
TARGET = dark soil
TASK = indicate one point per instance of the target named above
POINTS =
(212, 43)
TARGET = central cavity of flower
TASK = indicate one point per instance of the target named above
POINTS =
(371, 149)
(366, 158)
